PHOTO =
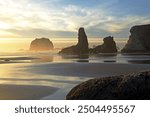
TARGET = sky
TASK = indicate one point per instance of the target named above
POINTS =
(62, 18)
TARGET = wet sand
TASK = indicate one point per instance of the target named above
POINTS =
(84, 71)
(59, 77)
(87, 69)
(8, 60)
(24, 92)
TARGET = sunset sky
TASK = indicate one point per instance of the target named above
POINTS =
(62, 18)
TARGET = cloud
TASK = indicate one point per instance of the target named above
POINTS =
(30, 18)
(42, 33)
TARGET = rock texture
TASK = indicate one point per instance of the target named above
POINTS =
(109, 46)
(81, 47)
(139, 40)
(41, 44)
(125, 87)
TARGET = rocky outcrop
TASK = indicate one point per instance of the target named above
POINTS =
(109, 46)
(133, 87)
(41, 44)
(139, 40)
(81, 47)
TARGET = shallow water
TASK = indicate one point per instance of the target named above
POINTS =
(63, 72)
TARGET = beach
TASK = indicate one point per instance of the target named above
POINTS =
(51, 77)
(24, 92)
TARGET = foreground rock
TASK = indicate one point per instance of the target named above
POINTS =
(81, 47)
(109, 46)
(128, 87)
(41, 44)
(139, 41)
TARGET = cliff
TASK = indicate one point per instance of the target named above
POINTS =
(139, 40)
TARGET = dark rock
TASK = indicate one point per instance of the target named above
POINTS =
(139, 41)
(125, 87)
(81, 47)
(7, 60)
(109, 61)
(41, 44)
(109, 46)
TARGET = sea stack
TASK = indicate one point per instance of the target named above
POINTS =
(41, 44)
(109, 46)
(139, 40)
(81, 47)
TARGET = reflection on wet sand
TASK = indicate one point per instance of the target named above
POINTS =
(109, 61)
(135, 54)
(137, 58)
(83, 56)
(12, 59)
(83, 60)
(139, 61)
(106, 55)
(54, 58)
(43, 59)
(78, 58)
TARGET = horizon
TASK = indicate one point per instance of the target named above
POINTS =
(20, 44)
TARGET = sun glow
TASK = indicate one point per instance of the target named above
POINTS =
(14, 44)
(4, 25)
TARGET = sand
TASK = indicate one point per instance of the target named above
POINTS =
(79, 71)
(87, 69)
(84, 71)
(24, 92)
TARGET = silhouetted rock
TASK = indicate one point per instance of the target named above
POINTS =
(133, 87)
(109, 46)
(7, 60)
(139, 41)
(41, 44)
(81, 47)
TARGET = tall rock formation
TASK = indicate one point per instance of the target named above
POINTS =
(81, 47)
(139, 40)
(109, 46)
(41, 44)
